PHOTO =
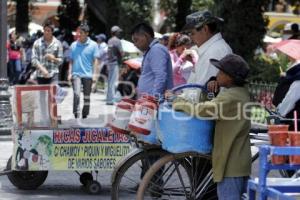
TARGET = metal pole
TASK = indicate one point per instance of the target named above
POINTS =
(5, 107)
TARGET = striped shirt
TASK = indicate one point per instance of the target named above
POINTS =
(40, 49)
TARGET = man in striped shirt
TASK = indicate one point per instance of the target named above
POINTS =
(47, 56)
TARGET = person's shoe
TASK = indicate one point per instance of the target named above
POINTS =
(110, 103)
(84, 116)
(76, 115)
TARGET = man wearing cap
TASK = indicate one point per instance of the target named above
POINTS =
(203, 30)
(102, 46)
(83, 59)
(114, 60)
(231, 155)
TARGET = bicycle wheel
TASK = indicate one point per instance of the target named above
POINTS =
(127, 177)
(180, 176)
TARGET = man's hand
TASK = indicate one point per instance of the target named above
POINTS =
(50, 57)
(45, 72)
(69, 77)
(169, 95)
(213, 86)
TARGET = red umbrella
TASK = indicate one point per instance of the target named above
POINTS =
(289, 47)
(134, 63)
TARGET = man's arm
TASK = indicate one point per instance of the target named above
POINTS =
(96, 70)
(35, 61)
(59, 59)
(70, 70)
(289, 101)
(218, 108)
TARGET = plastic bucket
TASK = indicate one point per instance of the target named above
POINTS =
(179, 132)
(278, 135)
(152, 138)
(119, 123)
(143, 115)
(279, 127)
(294, 138)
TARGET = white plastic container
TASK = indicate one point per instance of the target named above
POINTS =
(119, 123)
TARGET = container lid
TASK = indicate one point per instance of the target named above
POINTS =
(125, 105)
(127, 100)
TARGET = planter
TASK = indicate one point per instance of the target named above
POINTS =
(278, 137)
(279, 127)
(294, 138)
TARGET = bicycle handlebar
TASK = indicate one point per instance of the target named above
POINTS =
(180, 87)
(258, 130)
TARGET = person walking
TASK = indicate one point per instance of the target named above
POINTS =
(47, 56)
(15, 55)
(114, 60)
(102, 45)
(203, 29)
(83, 59)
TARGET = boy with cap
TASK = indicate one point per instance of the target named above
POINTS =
(231, 156)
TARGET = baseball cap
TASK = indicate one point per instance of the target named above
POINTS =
(115, 29)
(233, 65)
(101, 36)
(199, 19)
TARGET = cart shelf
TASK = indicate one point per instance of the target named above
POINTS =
(274, 188)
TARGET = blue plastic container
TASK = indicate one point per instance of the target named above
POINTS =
(152, 138)
(180, 132)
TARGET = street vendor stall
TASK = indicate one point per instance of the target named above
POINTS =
(44, 142)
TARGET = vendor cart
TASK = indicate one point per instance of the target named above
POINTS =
(274, 188)
(44, 142)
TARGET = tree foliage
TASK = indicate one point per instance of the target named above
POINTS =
(125, 13)
(68, 13)
(133, 12)
(244, 25)
(22, 16)
(177, 10)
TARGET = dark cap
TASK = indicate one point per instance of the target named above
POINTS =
(84, 27)
(199, 19)
(233, 65)
(101, 37)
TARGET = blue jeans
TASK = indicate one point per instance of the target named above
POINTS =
(87, 88)
(14, 71)
(113, 73)
(232, 188)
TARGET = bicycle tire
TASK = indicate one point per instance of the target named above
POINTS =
(116, 184)
(199, 177)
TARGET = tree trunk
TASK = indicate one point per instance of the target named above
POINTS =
(22, 16)
(183, 9)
